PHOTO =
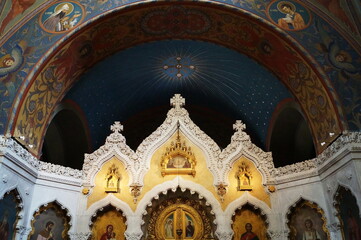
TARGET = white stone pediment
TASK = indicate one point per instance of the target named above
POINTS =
(137, 162)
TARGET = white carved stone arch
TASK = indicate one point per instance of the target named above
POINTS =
(247, 198)
(60, 204)
(178, 115)
(172, 185)
(301, 198)
(241, 145)
(335, 193)
(110, 199)
(115, 146)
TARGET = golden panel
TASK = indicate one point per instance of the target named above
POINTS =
(258, 190)
(245, 216)
(154, 176)
(179, 221)
(98, 192)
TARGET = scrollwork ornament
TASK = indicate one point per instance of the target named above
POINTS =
(334, 227)
(221, 191)
(22, 231)
(133, 236)
(79, 236)
(135, 191)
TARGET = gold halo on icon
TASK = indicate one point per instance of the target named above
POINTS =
(62, 6)
(285, 3)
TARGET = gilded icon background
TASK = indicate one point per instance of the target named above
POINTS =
(247, 215)
(109, 225)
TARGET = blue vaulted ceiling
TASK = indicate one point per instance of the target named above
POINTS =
(208, 76)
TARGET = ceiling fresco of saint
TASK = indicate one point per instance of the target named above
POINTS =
(127, 51)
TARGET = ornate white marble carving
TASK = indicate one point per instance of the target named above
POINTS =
(22, 231)
(79, 236)
(60, 170)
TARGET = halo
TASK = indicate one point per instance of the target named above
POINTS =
(60, 6)
(291, 5)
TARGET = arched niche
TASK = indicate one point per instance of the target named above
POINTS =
(50, 219)
(10, 207)
(195, 209)
(249, 220)
(108, 221)
(290, 138)
(348, 213)
(306, 218)
(66, 138)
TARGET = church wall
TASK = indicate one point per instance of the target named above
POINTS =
(39, 183)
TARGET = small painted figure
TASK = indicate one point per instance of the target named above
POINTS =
(46, 233)
(292, 20)
(249, 235)
(310, 232)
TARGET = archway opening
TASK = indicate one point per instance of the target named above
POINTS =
(65, 140)
(291, 139)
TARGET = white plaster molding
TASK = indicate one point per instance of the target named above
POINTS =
(110, 199)
(79, 236)
(178, 115)
(22, 231)
(115, 145)
(241, 145)
(9, 144)
(243, 200)
(59, 170)
(349, 140)
(173, 185)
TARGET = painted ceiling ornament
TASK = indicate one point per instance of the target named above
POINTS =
(178, 67)
(289, 15)
(176, 20)
(244, 177)
(62, 17)
(178, 159)
(112, 180)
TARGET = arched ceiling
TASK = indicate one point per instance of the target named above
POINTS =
(301, 64)
(145, 76)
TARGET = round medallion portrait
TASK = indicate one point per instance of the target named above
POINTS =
(61, 17)
(289, 15)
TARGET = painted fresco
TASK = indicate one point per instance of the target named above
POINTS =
(50, 222)
(61, 17)
(11, 10)
(268, 49)
(348, 214)
(35, 37)
(109, 224)
(9, 211)
(289, 15)
(340, 9)
(307, 221)
(249, 224)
